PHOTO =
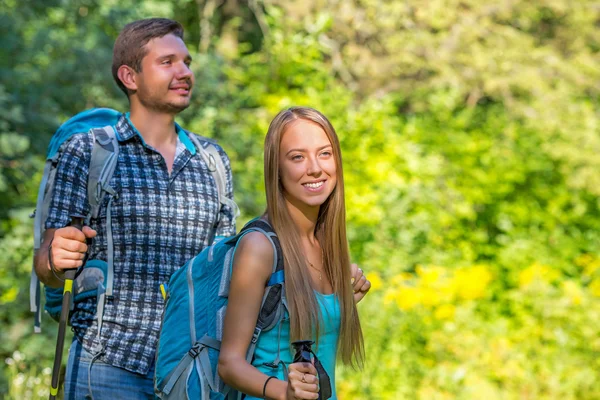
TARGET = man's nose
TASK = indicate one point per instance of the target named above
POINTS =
(184, 72)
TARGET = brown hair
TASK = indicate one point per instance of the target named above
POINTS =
(130, 46)
(330, 231)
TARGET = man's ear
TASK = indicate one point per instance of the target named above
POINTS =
(128, 77)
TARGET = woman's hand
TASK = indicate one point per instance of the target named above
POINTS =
(360, 283)
(302, 382)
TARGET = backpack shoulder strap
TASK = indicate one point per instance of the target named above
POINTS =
(211, 156)
(103, 162)
(105, 153)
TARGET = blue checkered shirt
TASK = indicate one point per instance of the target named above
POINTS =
(159, 221)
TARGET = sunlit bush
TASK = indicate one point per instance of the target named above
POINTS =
(454, 334)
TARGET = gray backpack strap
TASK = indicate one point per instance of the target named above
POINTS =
(35, 301)
(212, 158)
(39, 216)
(103, 162)
(197, 352)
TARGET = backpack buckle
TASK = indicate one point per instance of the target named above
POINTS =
(256, 334)
(195, 350)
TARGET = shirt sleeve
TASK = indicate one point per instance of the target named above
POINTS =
(69, 193)
(227, 214)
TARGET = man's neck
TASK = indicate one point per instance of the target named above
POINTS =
(157, 129)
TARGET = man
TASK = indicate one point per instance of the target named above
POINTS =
(163, 213)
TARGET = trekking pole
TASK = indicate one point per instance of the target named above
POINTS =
(303, 354)
(76, 222)
(303, 350)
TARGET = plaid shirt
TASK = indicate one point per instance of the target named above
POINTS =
(159, 222)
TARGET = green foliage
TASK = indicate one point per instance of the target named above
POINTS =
(462, 335)
(470, 134)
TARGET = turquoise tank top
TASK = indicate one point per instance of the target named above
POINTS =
(326, 351)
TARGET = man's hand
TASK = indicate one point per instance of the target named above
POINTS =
(68, 247)
(360, 283)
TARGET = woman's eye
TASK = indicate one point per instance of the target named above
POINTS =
(326, 153)
(297, 157)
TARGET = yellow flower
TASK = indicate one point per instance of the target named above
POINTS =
(444, 312)
(430, 297)
(446, 289)
(375, 280)
(584, 259)
(595, 287)
(573, 291)
(589, 263)
(472, 282)
(408, 298)
(537, 272)
(591, 268)
(401, 278)
(429, 276)
(9, 296)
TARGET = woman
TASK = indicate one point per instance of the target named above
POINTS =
(305, 206)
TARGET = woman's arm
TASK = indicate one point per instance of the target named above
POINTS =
(252, 267)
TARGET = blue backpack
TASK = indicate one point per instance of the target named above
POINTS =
(192, 325)
(97, 276)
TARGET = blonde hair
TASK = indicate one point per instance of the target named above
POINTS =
(330, 231)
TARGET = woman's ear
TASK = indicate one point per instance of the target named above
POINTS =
(128, 77)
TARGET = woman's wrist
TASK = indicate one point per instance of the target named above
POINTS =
(264, 393)
(275, 389)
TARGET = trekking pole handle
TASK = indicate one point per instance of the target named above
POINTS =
(303, 350)
(303, 354)
(76, 222)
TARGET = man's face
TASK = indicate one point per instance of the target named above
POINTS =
(165, 82)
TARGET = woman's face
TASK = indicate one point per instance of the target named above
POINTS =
(306, 164)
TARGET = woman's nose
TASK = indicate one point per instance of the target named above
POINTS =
(314, 167)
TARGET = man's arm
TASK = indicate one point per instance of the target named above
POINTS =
(69, 197)
(42, 266)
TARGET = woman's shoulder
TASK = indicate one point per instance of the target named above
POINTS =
(254, 254)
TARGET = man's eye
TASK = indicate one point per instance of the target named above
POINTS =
(166, 62)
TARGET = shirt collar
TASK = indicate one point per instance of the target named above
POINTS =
(126, 130)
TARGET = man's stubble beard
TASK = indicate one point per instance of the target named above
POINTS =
(154, 103)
